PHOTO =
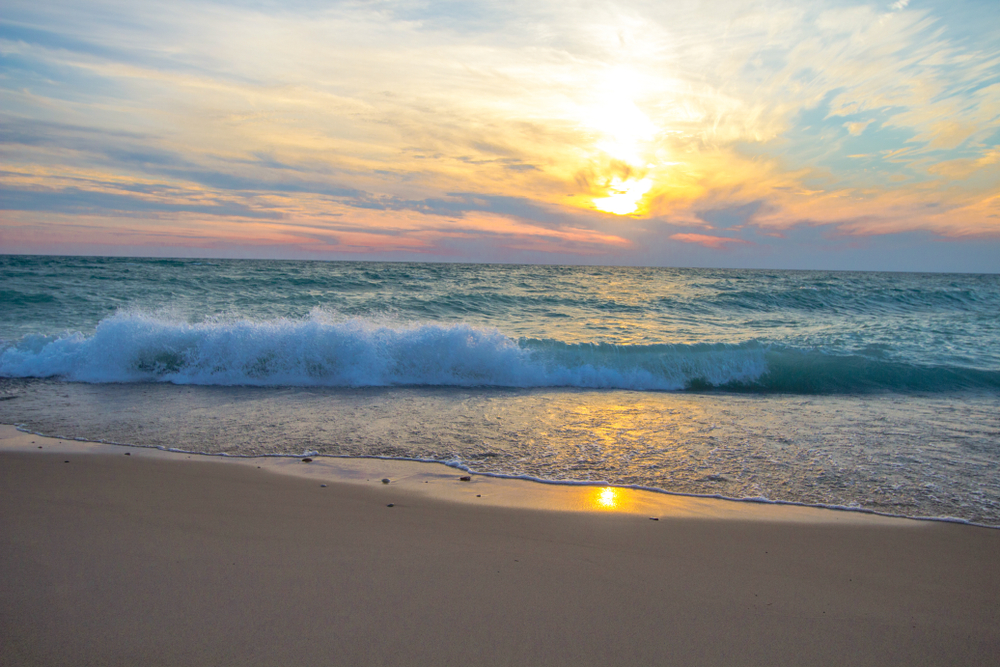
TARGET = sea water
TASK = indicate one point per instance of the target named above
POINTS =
(876, 391)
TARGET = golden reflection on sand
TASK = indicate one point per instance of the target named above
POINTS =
(608, 498)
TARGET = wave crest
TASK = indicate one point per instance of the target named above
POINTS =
(358, 352)
(137, 347)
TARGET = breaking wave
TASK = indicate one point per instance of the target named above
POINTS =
(321, 350)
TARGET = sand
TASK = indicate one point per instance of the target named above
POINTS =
(160, 559)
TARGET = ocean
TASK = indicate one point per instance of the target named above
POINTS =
(870, 391)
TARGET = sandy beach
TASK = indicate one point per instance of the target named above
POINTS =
(163, 559)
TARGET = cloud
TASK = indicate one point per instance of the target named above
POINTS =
(713, 242)
(74, 200)
(856, 128)
(965, 167)
(423, 117)
(731, 216)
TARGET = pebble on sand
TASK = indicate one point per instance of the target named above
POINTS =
(465, 479)
(391, 505)
(307, 460)
(385, 480)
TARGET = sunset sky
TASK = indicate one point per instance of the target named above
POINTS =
(844, 135)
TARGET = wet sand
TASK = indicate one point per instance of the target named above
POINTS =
(160, 559)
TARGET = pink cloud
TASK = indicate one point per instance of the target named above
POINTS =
(713, 242)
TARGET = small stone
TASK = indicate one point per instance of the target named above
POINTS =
(307, 460)
(391, 505)
(39, 446)
(465, 479)
(385, 480)
(654, 518)
(479, 495)
(323, 485)
(65, 461)
(128, 453)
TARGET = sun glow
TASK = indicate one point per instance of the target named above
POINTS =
(625, 129)
(624, 196)
(624, 142)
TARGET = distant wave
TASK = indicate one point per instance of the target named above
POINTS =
(15, 298)
(320, 350)
(829, 299)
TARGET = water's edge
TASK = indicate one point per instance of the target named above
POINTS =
(524, 478)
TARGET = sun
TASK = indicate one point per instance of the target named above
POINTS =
(625, 135)
(624, 196)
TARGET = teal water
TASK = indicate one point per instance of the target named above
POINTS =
(871, 390)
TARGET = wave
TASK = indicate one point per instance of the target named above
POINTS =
(15, 298)
(845, 300)
(323, 350)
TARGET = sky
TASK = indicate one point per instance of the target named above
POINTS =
(801, 134)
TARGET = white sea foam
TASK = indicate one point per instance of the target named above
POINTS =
(320, 350)
(324, 350)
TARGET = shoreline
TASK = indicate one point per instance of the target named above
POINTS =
(505, 490)
(155, 558)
